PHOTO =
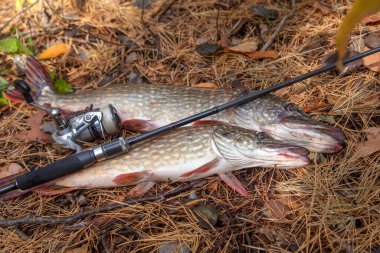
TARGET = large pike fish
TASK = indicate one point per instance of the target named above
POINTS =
(184, 154)
(146, 107)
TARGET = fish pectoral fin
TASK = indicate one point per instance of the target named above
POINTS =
(207, 122)
(131, 178)
(139, 125)
(202, 169)
(231, 180)
(141, 188)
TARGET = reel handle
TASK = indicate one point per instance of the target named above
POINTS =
(25, 89)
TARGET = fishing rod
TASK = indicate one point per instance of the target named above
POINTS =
(108, 150)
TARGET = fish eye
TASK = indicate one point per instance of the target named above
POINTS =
(261, 136)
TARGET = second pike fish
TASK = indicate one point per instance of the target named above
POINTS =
(146, 107)
(184, 154)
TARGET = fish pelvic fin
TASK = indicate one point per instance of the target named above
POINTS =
(39, 81)
(141, 188)
(232, 181)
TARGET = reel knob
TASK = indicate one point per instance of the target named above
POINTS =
(25, 89)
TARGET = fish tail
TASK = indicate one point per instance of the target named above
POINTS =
(37, 78)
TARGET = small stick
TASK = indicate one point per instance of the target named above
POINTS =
(279, 27)
(92, 211)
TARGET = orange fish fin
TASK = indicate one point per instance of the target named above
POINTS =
(204, 168)
(52, 190)
(231, 180)
(206, 122)
(141, 188)
(130, 178)
(139, 125)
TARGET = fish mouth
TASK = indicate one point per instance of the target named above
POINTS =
(283, 155)
(309, 134)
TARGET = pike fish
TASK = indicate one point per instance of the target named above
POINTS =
(146, 107)
(184, 154)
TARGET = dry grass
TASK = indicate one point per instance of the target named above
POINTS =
(334, 202)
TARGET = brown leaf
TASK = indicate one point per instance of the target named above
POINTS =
(213, 186)
(373, 18)
(246, 46)
(206, 85)
(78, 250)
(313, 104)
(320, 7)
(276, 209)
(35, 133)
(54, 51)
(10, 169)
(372, 61)
(371, 145)
(262, 54)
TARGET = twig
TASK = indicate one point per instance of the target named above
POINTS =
(92, 211)
(279, 27)
(15, 16)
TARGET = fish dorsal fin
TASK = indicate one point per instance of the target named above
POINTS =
(224, 143)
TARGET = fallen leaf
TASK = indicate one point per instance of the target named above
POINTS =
(372, 61)
(54, 51)
(317, 5)
(264, 12)
(78, 250)
(10, 169)
(246, 46)
(289, 199)
(374, 18)
(213, 186)
(276, 209)
(35, 133)
(371, 145)
(313, 104)
(13, 45)
(208, 49)
(206, 85)
(372, 41)
(62, 87)
(262, 54)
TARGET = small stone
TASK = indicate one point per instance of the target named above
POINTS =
(208, 49)
(173, 247)
(207, 215)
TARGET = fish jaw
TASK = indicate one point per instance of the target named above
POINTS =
(245, 148)
(307, 133)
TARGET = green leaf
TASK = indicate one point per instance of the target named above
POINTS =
(8, 45)
(3, 101)
(62, 87)
(13, 45)
(52, 75)
(3, 84)
(359, 10)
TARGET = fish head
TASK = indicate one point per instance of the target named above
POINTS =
(287, 122)
(247, 148)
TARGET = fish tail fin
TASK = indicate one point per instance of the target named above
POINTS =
(37, 78)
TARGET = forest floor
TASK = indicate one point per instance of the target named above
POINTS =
(331, 205)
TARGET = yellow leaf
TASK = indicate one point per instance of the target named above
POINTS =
(54, 51)
(206, 85)
(19, 4)
(358, 11)
(247, 46)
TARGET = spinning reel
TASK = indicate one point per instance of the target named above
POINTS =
(67, 130)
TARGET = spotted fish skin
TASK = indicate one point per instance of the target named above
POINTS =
(189, 153)
(147, 107)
